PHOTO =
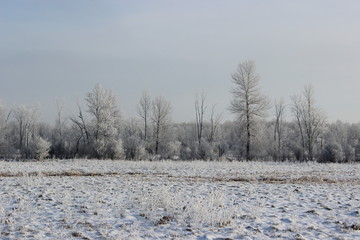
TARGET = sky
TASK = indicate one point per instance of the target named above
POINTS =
(57, 51)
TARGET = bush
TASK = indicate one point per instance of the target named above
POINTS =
(332, 153)
(116, 150)
(40, 148)
(172, 150)
(134, 148)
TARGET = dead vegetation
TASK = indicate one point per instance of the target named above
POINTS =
(355, 227)
(270, 178)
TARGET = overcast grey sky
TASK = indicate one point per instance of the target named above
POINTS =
(59, 50)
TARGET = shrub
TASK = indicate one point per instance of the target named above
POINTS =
(40, 148)
(332, 153)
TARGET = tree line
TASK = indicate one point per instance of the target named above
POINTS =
(98, 130)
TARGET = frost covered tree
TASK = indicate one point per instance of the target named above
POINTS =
(80, 134)
(173, 150)
(3, 120)
(199, 116)
(104, 119)
(143, 110)
(279, 127)
(132, 143)
(340, 133)
(215, 121)
(40, 147)
(60, 134)
(160, 118)
(335, 147)
(248, 102)
(310, 119)
(25, 118)
(102, 128)
(4, 117)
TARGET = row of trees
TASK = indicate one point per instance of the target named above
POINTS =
(98, 130)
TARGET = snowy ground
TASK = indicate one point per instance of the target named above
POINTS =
(88, 199)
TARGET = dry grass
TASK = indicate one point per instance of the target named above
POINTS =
(270, 178)
(355, 227)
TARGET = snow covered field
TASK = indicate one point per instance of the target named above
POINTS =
(90, 199)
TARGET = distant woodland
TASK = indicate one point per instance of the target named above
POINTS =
(259, 130)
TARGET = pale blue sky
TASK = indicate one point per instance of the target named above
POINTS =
(59, 50)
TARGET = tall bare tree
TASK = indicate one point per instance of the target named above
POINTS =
(143, 110)
(311, 120)
(297, 110)
(60, 121)
(161, 110)
(248, 102)
(279, 126)
(59, 132)
(199, 116)
(215, 120)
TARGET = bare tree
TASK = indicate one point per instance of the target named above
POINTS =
(132, 142)
(4, 131)
(199, 116)
(160, 118)
(248, 102)
(81, 124)
(143, 110)
(297, 110)
(215, 120)
(59, 132)
(25, 118)
(60, 121)
(311, 120)
(279, 126)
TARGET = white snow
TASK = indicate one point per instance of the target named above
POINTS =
(94, 199)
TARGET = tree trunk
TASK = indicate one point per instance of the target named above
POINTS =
(310, 151)
(157, 141)
(248, 158)
(145, 130)
(279, 147)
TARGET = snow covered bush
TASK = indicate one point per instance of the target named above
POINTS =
(100, 148)
(207, 210)
(116, 150)
(173, 150)
(134, 148)
(40, 148)
(332, 153)
(200, 209)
